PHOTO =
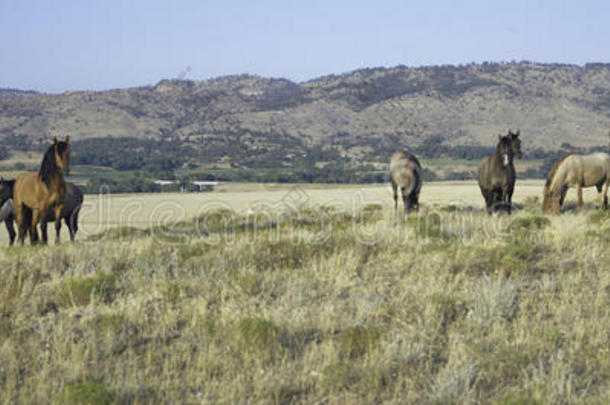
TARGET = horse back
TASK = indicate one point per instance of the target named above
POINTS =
(405, 170)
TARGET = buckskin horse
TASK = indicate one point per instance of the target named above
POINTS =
(39, 191)
(576, 171)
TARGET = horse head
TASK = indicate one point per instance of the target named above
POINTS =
(509, 147)
(62, 154)
(550, 201)
(515, 143)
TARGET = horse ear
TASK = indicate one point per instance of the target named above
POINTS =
(68, 139)
(55, 140)
(517, 133)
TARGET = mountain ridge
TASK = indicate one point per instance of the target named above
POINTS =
(365, 111)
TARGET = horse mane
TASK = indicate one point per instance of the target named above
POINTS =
(48, 165)
(9, 183)
(553, 171)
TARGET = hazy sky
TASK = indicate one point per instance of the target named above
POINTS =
(61, 45)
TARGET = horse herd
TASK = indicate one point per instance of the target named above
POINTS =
(497, 176)
(39, 197)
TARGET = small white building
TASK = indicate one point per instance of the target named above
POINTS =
(205, 185)
(202, 185)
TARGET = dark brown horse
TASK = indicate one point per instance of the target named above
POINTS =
(497, 174)
(405, 173)
(43, 190)
(69, 213)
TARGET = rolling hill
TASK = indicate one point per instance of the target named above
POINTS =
(364, 112)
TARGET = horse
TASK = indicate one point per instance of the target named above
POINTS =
(406, 174)
(496, 173)
(73, 202)
(43, 190)
(7, 212)
(576, 171)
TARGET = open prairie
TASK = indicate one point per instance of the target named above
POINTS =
(311, 294)
(103, 211)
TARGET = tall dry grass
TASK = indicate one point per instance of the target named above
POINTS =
(314, 306)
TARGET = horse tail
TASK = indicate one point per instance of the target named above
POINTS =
(74, 217)
(418, 181)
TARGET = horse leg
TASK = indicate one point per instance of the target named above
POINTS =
(604, 195)
(43, 231)
(562, 195)
(70, 224)
(58, 230)
(496, 199)
(414, 201)
(395, 190)
(405, 201)
(73, 224)
(579, 195)
(487, 197)
(11, 230)
(33, 231)
(506, 198)
(21, 225)
(58, 210)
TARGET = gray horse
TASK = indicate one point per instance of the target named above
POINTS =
(405, 173)
(7, 211)
(497, 174)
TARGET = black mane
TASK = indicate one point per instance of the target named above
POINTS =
(48, 165)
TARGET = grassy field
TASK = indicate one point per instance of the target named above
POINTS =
(298, 295)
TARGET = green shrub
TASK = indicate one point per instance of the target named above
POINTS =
(185, 252)
(599, 217)
(85, 393)
(248, 283)
(519, 400)
(340, 375)
(121, 233)
(112, 323)
(426, 226)
(6, 327)
(358, 340)
(532, 223)
(531, 201)
(172, 291)
(257, 333)
(78, 291)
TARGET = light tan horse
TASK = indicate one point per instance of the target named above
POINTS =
(576, 171)
(36, 193)
(405, 173)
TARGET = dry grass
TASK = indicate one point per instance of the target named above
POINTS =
(314, 305)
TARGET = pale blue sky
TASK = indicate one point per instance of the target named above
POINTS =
(54, 46)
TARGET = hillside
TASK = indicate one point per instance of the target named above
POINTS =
(365, 112)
